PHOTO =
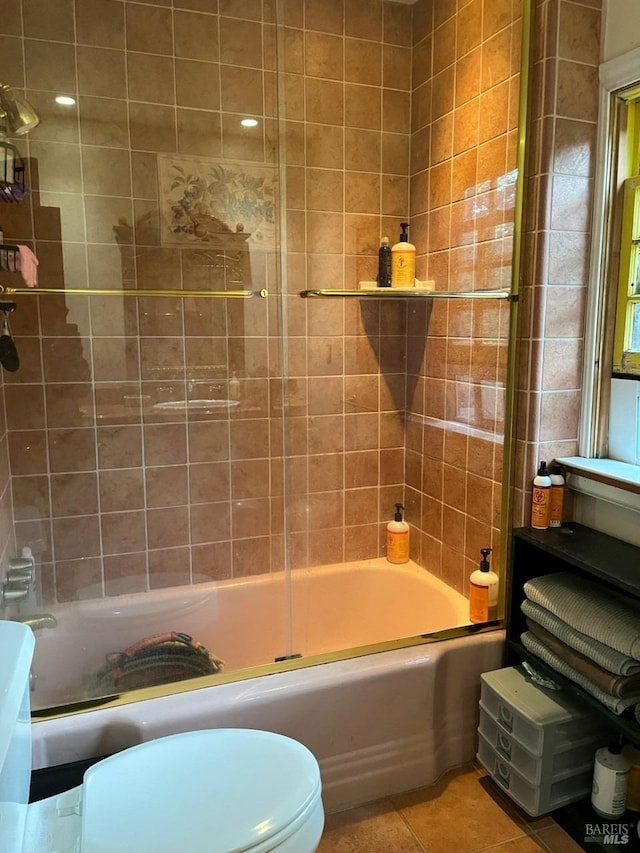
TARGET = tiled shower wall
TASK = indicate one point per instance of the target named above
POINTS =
(114, 495)
(118, 498)
(466, 79)
(560, 186)
(348, 80)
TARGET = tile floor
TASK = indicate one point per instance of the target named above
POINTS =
(463, 812)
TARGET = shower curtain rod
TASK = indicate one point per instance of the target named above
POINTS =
(214, 294)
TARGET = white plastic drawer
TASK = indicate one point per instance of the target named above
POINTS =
(537, 720)
(534, 799)
(550, 767)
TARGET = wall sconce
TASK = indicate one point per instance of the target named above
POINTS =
(17, 116)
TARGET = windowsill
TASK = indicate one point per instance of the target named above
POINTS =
(606, 479)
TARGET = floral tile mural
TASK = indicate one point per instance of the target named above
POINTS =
(211, 202)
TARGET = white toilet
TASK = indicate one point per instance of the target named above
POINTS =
(212, 791)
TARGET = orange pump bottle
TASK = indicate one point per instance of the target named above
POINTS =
(483, 591)
(398, 538)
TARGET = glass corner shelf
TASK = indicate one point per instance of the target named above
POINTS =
(410, 292)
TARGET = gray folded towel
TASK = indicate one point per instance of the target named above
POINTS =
(604, 656)
(538, 648)
(590, 609)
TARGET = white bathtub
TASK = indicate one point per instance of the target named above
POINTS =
(378, 723)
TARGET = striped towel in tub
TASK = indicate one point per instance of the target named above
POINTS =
(590, 609)
(604, 656)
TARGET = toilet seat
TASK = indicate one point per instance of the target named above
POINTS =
(231, 790)
(211, 791)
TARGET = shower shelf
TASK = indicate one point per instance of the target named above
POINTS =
(411, 293)
(183, 294)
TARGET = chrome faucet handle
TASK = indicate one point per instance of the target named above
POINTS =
(24, 563)
(10, 592)
(19, 575)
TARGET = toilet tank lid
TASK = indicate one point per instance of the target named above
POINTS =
(17, 644)
(226, 790)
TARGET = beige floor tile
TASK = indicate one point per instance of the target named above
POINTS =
(557, 840)
(526, 844)
(460, 813)
(373, 828)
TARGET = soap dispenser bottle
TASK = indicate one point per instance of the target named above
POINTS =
(403, 260)
(541, 498)
(398, 538)
(483, 591)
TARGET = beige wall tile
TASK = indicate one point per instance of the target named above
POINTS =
(50, 21)
(362, 63)
(324, 101)
(125, 573)
(76, 537)
(50, 66)
(100, 23)
(12, 63)
(196, 36)
(149, 29)
(363, 105)
(323, 56)
(104, 122)
(325, 146)
(150, 78)
(240, 43)
(12, 18)
(364, 21)
(329, 19)
(197, 84)
(101, 73)
(199, 132)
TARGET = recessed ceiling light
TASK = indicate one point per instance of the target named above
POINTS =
(249, 122)
(65, 100)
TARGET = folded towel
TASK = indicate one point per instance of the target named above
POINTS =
(615, 685)
(28, 266)
(604, 656)
(590, 609)
(538, 648)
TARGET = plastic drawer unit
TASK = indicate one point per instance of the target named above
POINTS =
(534, 799)
(537, 744)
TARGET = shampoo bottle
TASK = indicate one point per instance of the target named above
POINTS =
(398, 538)
(610, 777)
(541, 498)
(403, 260)
(384, 263)
(557, 496)
(483, 591)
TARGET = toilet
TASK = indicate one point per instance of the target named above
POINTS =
(211, 791)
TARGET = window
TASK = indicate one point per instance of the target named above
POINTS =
(626, 351)
(610, 416)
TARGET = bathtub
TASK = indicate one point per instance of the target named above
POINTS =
(381, 721)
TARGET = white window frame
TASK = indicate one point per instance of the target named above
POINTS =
(617, 74)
